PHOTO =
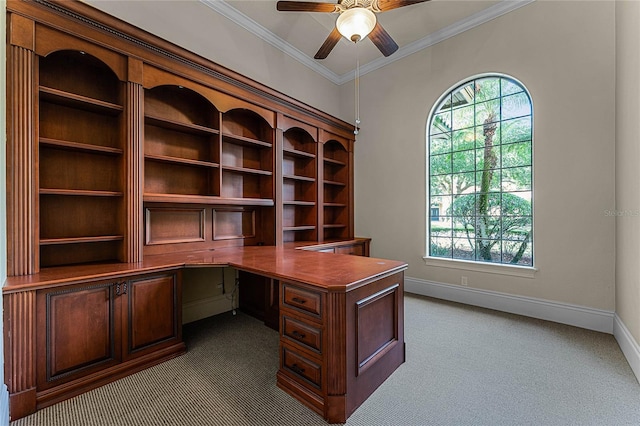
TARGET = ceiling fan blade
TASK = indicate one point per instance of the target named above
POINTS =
(382, 40)
(305, 6)
(385, 5)
(328, 44)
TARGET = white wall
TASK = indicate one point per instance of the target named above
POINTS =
(564, 53)
(628, 174)
(196, 27)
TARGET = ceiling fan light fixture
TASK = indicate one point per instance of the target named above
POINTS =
(356, 23)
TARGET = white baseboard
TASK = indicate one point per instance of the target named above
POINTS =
(628, 344)
(579, 316)
(4, 405)
(203, 308)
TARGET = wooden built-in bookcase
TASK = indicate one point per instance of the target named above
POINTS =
(143, 148)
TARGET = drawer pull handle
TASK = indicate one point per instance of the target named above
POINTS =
(299, 300)
(296, 368)
(298, 335)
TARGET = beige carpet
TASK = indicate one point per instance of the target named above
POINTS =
(465, 366)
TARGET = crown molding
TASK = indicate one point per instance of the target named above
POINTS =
(233, 14)
(225, 9)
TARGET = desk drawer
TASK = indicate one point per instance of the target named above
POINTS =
(302, 333)
(302, 368)
(302, 299)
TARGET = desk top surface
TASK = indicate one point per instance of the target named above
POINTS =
(337, 272)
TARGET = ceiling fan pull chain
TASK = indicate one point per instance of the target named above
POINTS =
(357, 94)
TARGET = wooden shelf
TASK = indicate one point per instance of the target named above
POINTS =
(204, 199)
(334, 183)
(247, 170)
(334, 225)
(179, 126)
(80, 192)
(336, 162)
(299, 203)
(61, 97)
(300, 178)
(299, 228)
(298, 153)
(177, 160)
(335, 205)
(241, 140)
(78, 146)
(80, 240)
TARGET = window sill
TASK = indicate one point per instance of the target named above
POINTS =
(491, 268)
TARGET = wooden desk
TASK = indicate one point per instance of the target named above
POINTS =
(341, 324)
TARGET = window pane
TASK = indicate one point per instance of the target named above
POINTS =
(488, 112)
(517, 130)
(489, 250)
(516, 228)
(445, 104)
(517, 105)
(440, 143)
(464, 227)
(441, 227)
(463, 96)
(516, 204)
(488, 159)
(516, 179)
(489, 134)
(440, 247)
(441, 123)
(516, 154)
(463, 249)
(509, 87)
(464, 206)
(463, 139)
(440, 164)
(487, 88)
(462, 182)
(463, 118)
(441, 185)
(517, 253)
(443, 202)
(464, 161)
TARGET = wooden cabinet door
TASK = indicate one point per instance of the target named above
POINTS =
(78, 331)
(153, 314)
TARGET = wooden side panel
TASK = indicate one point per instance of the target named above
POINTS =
(19, 352)
(152, 312)
(374, 328)
(174, 225)
(21, 162)
(376, 325)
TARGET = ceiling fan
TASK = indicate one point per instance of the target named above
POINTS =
(357, 20)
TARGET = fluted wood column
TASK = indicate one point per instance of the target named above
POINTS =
(22, 201)
(134, 158)
(19, 352)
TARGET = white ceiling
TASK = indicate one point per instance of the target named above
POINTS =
(414, 28)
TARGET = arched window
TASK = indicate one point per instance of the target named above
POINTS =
(480, 173)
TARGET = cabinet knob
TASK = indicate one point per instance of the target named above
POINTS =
(296, 368)
(299, 300)
(298, 335)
